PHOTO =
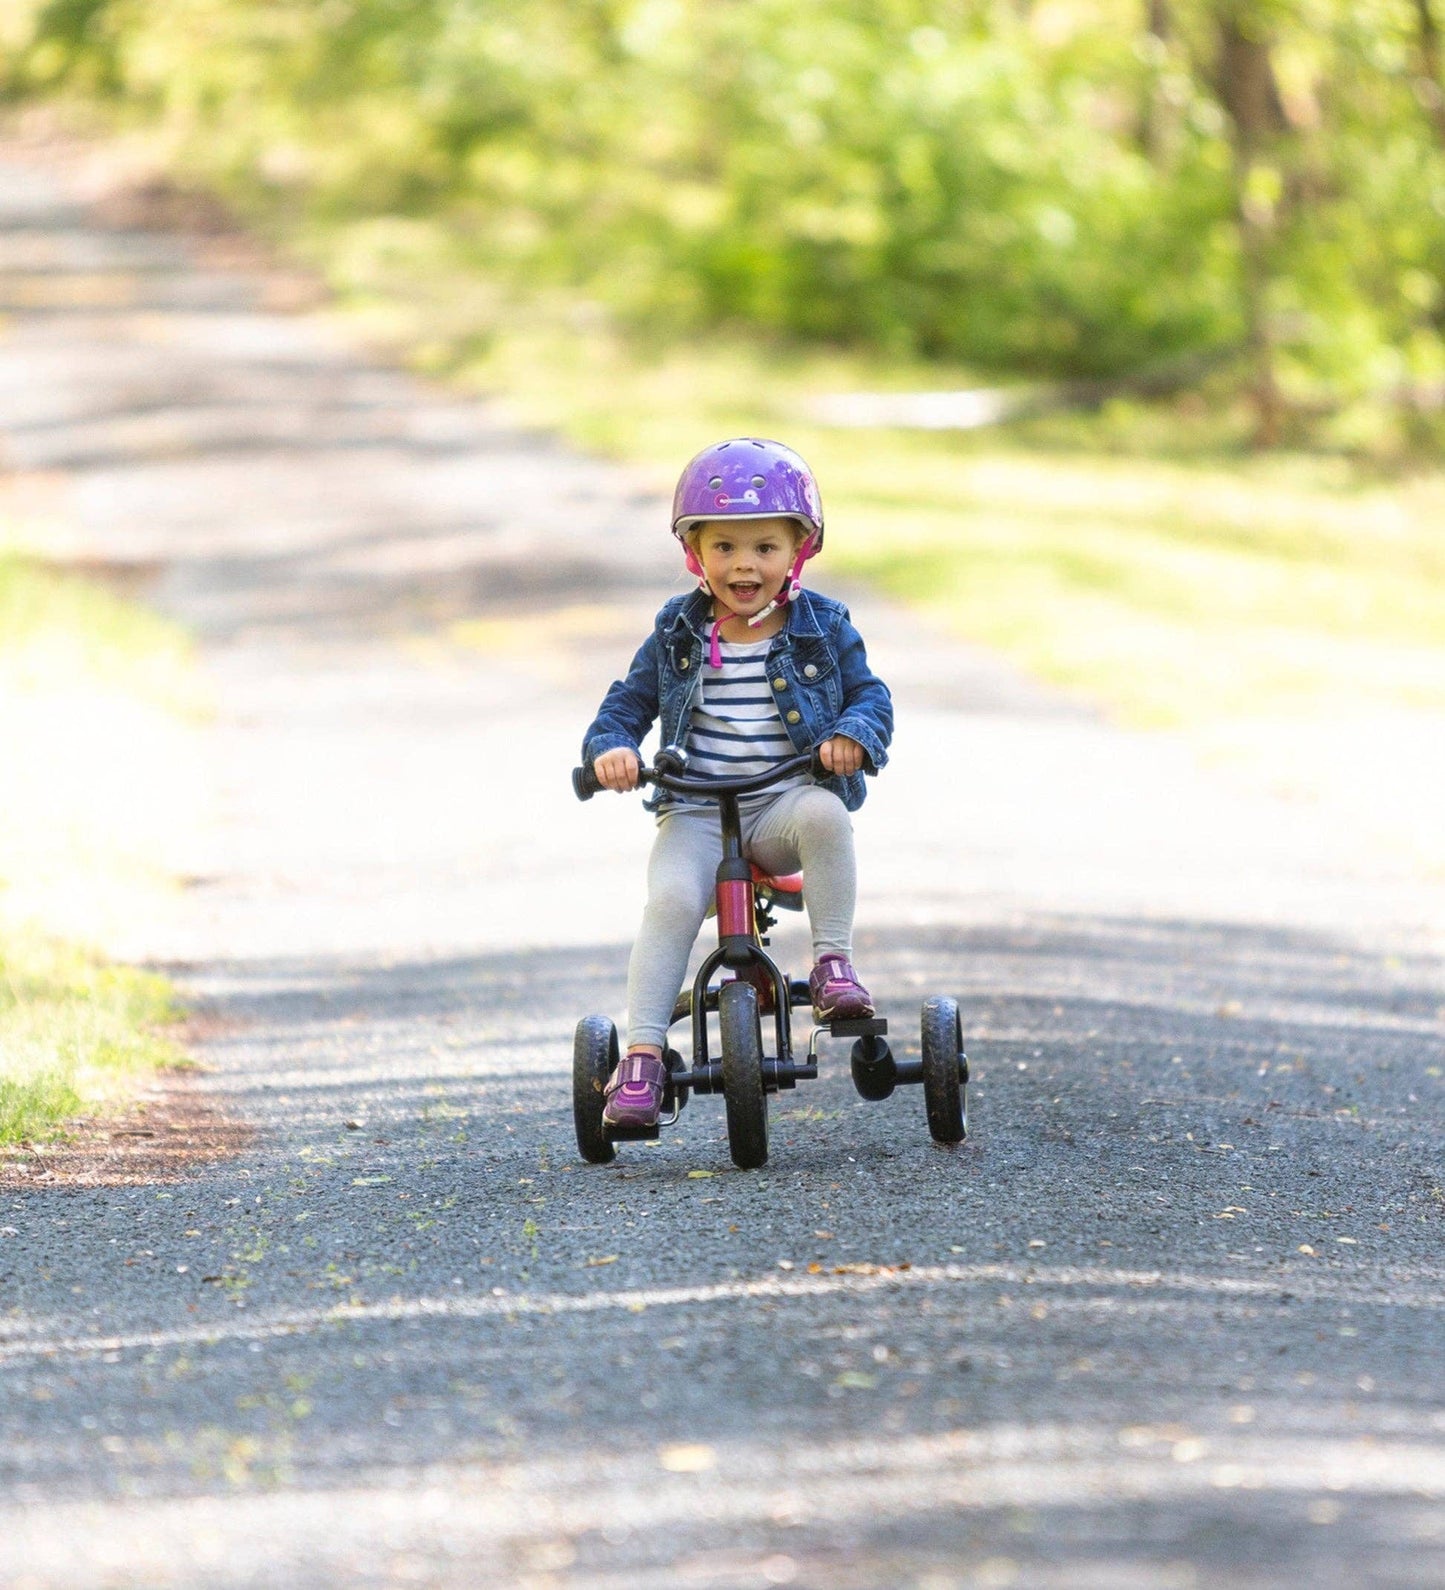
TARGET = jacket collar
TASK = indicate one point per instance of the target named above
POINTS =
(695, 614)
(803, 616)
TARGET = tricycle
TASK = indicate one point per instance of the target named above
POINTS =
(740, 983)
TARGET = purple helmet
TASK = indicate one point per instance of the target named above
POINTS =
(746, 478)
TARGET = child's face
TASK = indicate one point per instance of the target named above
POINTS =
(747, 560)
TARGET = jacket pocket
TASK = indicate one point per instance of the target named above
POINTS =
(822, 684)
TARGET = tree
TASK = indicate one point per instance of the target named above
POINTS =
(1248, 90)
(1429, 85)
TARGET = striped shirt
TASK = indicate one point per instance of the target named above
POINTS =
(736, 730)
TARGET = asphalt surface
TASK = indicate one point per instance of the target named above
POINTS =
(1172, 1317)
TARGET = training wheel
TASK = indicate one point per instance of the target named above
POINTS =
(945, 1070)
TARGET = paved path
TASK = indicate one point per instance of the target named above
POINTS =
(1172, 1318)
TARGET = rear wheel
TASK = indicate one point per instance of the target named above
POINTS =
(742, 1069)
(594, 1059)
(945, 1070)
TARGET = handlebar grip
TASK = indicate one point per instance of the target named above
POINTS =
(584, 783)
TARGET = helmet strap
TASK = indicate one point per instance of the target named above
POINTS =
(714, 650)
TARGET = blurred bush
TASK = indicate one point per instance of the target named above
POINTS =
(1064, 187)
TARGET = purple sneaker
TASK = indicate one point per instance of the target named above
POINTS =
(837, 993)
(634, 1092)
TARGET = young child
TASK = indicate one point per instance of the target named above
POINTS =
(745, 672)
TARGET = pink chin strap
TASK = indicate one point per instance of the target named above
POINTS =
(788, 593)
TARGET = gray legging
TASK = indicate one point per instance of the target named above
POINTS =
(805, 827)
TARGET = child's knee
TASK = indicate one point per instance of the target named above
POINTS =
(678, 909)
(822, 818)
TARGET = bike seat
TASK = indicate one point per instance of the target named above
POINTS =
(789, 883)
(785, 892)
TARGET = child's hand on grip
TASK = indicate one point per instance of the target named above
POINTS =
(841, 755)
(617, 770)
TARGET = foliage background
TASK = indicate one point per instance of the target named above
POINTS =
(1062, 188)
(652, 222)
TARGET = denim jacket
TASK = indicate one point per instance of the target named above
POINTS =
(817, 664)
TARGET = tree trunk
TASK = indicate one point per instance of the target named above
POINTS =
(1249, 92)
(1158, 119)
(1430, 85)
(1268, 400)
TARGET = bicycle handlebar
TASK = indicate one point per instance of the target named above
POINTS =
(585, 783)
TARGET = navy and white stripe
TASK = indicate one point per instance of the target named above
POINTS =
(736, 730)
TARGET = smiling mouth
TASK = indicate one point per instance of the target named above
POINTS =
(746, 590)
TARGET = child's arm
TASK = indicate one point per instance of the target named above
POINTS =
(628, 711)
(866, 721)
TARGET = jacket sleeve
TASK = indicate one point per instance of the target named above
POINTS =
(628, 710)
(867, 714)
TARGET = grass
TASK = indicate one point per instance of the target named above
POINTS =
(1141, 557)
(73, 1031)
(62, 631)
(1283, 614)
(91, 687)
(1173, 587)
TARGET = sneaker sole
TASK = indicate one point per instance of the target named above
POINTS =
(843, 1013)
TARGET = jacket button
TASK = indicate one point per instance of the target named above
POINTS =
(780, 684)
(811, 671)
(683, 662)
(794, 717)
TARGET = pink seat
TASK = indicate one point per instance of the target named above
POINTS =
(789, 883)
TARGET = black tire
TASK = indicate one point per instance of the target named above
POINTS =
(594, 1058)
(944, 1070)
(742, 1068)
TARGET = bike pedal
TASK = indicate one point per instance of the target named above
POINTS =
(859, 1027)
(631, 1134)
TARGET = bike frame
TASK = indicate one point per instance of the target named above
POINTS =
(739, 947)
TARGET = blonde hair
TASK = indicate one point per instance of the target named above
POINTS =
(693, 534)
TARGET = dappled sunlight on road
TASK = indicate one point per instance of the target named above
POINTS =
(1165, 1310)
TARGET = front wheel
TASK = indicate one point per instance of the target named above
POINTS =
(945, 1070)
(594, 1059)
(746, 1099)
